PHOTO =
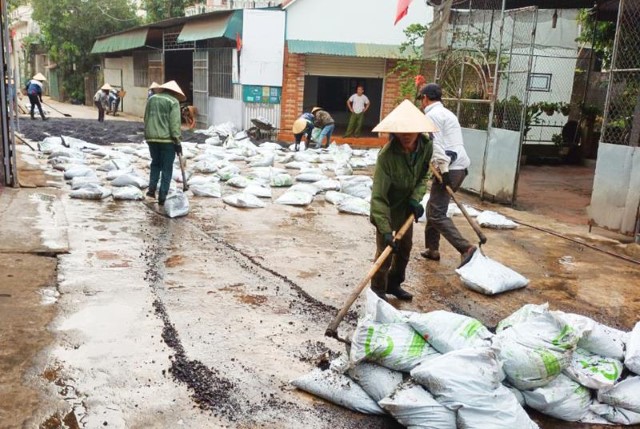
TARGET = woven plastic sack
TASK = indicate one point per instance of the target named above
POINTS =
(621, 403)
(305, 187)
(493, 220)
(310, 177)
(562, 398)
(412, 406)
(281, 180)
(176, 204)
(295, 198)
(244, 200)
(632, 358)
(489, 277)
(127, 193)
(336, 198)
(597, 338)
(130, 179)
(258, 190)
(378, 381)
(593, 371)
(355, 205)
(91, 191)
(208, 189)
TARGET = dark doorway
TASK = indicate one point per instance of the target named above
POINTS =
(332, 93)
(178, 66)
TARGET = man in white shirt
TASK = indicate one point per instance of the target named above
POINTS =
(451, 159)
(358, 104)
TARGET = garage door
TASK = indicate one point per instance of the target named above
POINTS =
(325, 65)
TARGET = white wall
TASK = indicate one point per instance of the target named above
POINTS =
(360, 21)
(616, 188)
(263, 47)
(135, 100)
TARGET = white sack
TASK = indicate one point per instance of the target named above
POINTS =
(412, 406)
(78, 170)
(454, 210)
(336, 198)
(339, 389)
(176, 204)
(305, 187)
(562, 398)
(117, 173)
(270, 146)
(310, 177)
(114, 164)
(281, 180)
(265, 160)
(593, 371)
(295, 198)
(625, 394)
(130, 179)
(617, 415)
(355, 205)
(536, 351)
(258, 190)
(632, 357)
(82, 181)
(523, 314)
(239, 182)
(378, 381)
(489, 277)
(469, 381)
(127, 193)
(91, 191)
(227, 172)
(489, 219)
(447, 331)
(597, 338)
(343, 169)
(206, 166)
(208, 189)
(327, 185)
(297, 165)
(244, 200)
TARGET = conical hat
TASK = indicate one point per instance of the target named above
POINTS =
(299, 125)
(175, 89)
(406, 118)
(39, 76)
(154, 85)
(315, 109)
(106, 87)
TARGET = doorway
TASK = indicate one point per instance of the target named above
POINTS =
(331, 93)
(178, 66)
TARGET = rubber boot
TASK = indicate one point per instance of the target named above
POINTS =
(400, 293)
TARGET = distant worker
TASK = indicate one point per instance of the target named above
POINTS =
(153, 88)
(358, 104)
(301, 127)
(399, 184)
(163, 135)
(114, 100)
(34, 92)
(100, 99)
(451, 159)
(324, 121)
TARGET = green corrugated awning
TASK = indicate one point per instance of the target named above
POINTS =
(121, 42)
(342, 49)
(225, 25)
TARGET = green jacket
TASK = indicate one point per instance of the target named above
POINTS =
(396, 180)
(162, 119)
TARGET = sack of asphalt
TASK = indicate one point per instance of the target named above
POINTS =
(489, 277)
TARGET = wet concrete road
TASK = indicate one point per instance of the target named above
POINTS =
(202, 321)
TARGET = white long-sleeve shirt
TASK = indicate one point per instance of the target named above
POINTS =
(449, 138)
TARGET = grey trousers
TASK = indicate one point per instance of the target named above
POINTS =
(392, 272)
(437, 221)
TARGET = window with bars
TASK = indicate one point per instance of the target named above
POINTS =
(140, 69)
(220, 72)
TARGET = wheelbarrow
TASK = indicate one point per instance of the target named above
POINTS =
(262, 130)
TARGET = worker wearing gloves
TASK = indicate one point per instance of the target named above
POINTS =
(399, 183)
(34, 92)
(450, 158)
(163, 135)
(324, 121)
(301, 127)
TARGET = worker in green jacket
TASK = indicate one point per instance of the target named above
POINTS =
(163, 135)
(399, 184)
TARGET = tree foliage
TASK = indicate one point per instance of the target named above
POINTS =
(69, 29)
(157, 10)
(599, 34)
(411, 64)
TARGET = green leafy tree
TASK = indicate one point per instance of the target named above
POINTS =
(599, 34)
(411, 63)
(157, 10)
(69, 29)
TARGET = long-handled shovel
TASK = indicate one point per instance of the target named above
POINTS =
(472, 222)
(54, 109)
(185, 187)
(332, 329)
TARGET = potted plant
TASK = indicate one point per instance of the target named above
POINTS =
(548, 108)
(564, 108)
(557, 140)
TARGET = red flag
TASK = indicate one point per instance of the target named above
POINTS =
(401, 12)
(238, 42)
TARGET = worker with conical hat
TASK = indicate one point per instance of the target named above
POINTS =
(301, 127)
(101, 100)
(399, 184)
(324, 121)
(153, 88)
(451, 159)
(163, 135)
(34, 92)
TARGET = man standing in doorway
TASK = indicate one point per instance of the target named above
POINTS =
(358, 104)
(450, 158)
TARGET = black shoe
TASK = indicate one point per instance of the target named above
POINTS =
(151, 194)
(161, 202)
(466, 256)
(433, 255)
(401, 294)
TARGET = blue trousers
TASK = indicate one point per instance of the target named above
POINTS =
(162, 157)
(327, 130)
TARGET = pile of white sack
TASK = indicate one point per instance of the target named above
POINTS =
(442, 370)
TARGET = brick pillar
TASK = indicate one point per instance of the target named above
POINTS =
(390, 90)
(291, 103)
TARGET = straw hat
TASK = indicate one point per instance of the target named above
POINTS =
(315, 109)
(106, 87)
(299, 125)
(175, 89)
(406, 118)
(154, 85)
(40, 77)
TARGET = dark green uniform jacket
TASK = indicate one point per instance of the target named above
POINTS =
(398, 178)
(162, 119)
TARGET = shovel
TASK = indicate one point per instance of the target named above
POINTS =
(185, 187)
(56, 110)
(332, 329)
(472, 222)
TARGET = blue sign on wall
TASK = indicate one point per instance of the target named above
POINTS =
(261, 94)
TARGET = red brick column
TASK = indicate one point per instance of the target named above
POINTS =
(292, 99)
(390, 90)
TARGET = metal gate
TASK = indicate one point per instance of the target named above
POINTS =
(201, 86)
